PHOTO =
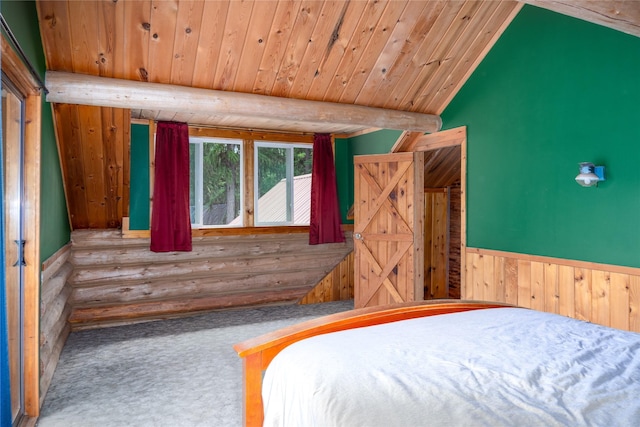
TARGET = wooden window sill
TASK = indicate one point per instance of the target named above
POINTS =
(231, 231)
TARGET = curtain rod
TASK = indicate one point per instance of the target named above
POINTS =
(16, 46)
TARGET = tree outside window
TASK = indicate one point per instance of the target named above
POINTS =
(216, 182)
(281, 184)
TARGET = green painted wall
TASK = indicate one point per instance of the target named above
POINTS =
(139, 189)
(344, 180)
(554, 91)
(378, 142)
(54, 221)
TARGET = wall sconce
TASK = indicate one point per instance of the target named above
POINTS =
(590, 175)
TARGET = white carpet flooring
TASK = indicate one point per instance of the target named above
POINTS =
(174, 373)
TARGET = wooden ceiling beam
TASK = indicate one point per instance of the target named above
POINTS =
(619, 15)
(81, 89)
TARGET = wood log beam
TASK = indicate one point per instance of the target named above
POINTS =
(71, 88)
(619, 15)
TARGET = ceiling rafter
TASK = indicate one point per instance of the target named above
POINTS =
(82, 89)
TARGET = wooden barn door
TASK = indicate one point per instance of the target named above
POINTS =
(388, 229)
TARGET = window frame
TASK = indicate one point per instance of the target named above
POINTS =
(248, 138)
(289, 176)
(198, 141)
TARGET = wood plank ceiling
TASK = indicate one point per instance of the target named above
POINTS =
(400, 55)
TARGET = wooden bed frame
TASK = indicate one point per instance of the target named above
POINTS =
(257, 353)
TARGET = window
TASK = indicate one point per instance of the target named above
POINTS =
(282, 183)
(216, 182)
(249, 179)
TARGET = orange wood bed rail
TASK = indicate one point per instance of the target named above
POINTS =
(257, 353)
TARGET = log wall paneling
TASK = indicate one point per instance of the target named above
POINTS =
(54, 314)
(605, 294)
(119, 280)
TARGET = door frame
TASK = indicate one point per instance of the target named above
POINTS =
(22, 79)
(415, 141)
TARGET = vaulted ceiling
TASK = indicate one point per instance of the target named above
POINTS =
(408, 56)
(399, 55)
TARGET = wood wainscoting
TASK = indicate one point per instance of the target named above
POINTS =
(442, 242)
(336, 286)
(119, 280)
(599, 293)
(54, 313)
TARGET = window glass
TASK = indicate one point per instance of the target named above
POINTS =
(216, 182)
(282, 183)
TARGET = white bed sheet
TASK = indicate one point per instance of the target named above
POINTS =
(492, 367)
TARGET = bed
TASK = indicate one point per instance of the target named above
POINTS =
(445, 364)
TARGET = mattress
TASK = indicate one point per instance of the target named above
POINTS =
(490, 367)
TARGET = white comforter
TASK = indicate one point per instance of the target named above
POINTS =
(494, 367)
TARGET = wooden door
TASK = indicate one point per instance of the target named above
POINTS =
(436, 243)
(445, 166)
(388, 228)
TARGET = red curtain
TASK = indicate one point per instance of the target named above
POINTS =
(325, 224)
(170, 219)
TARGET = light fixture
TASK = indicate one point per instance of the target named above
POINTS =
(590, 175)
